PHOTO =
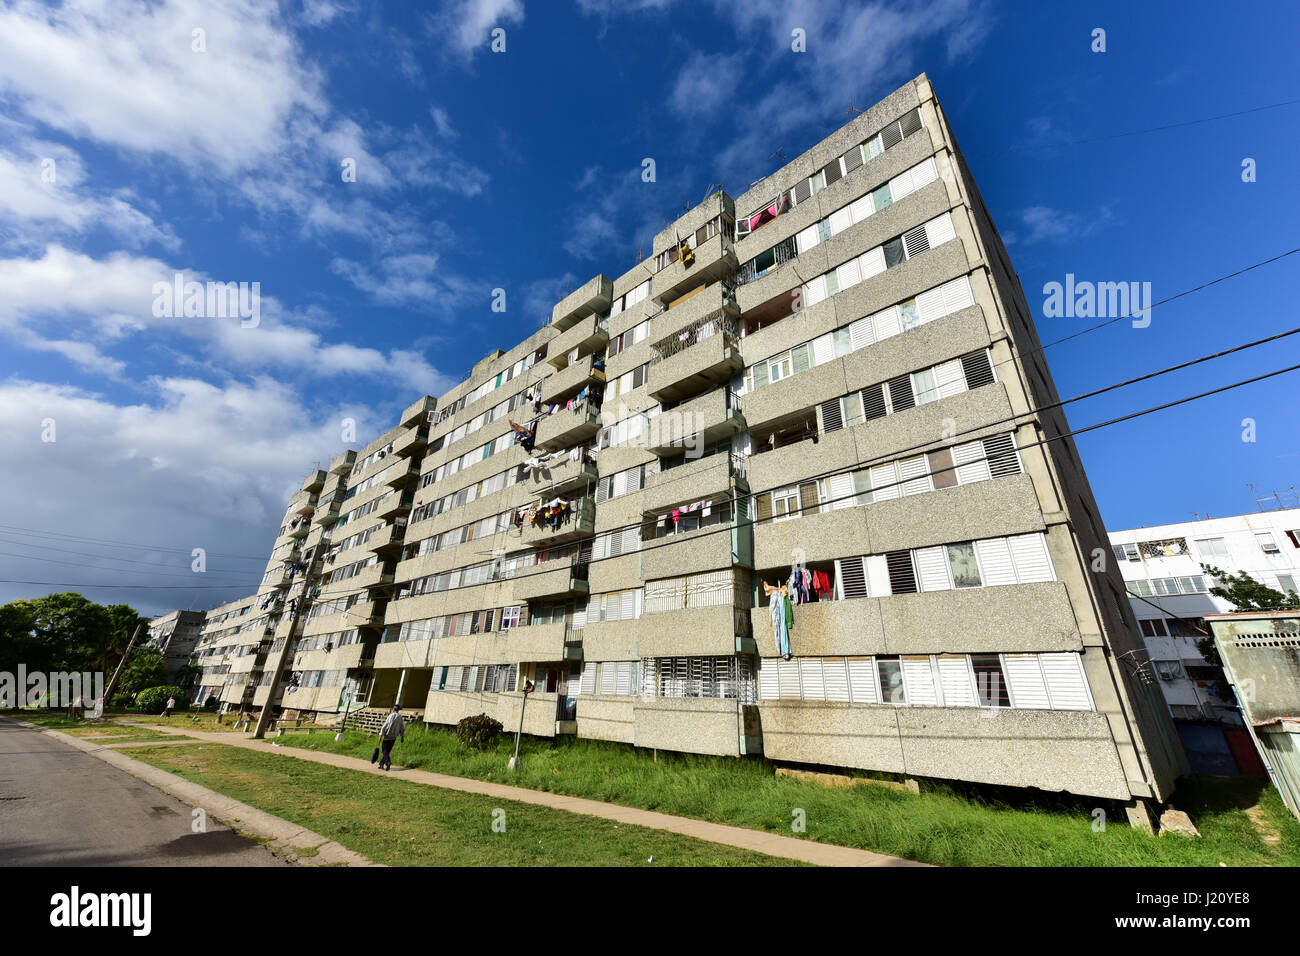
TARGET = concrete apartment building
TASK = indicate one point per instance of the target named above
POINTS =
(221, 657)
(1162, 568)
(829, 381)
(176, 634)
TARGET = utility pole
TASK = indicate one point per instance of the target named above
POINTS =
(528, 689)
(112, 684)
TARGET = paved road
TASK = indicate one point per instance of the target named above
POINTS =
(62, 807)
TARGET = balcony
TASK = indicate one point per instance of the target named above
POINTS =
(566, 428)
(402, 474)
(388, 540)
(595, 296)
(327, 514)
(315, 481)
(714, 259)
(342, 465)
(581, 524)
(696, 424)
(418, 413)
(586, 336)
(695, 368)
(396, 504)
(565, 475)
(570, 380)
(708, 302)
(412, 443)
(688, 552)
(551, 579)
(376, 576)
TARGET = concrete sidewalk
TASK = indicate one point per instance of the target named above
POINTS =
(772, 844)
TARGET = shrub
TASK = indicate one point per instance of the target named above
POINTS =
(479, 732)
(123, 702)
(152, 700)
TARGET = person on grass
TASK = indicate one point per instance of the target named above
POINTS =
(393, 729)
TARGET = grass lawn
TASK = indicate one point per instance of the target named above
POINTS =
(183, 720)
(1243, 821)
(409, 824)
(108, 731)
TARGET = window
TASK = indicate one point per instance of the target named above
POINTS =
(990, 684)
(1168, 670)
(1127, 552)
(1154, 627)
(965, 569)
(891, 680)
(1266, 542)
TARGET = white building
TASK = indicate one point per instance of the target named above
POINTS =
(1162, 569)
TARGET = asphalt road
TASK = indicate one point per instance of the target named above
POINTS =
(62, 807)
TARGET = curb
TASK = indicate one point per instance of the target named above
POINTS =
(285, 839)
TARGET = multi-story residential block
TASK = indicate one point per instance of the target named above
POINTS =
(176, 634)
(1163, 569)
(829, 384)
(213, 653)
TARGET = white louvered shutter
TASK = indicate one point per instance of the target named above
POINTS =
(930, 305)
(1029, 553)
(787, 674)
(872, 262)
(841, 219)
(995, 562)
(918, 682)
(877, 575)
(835, 678)
(863, 688)
(884, 483)
(901, 185)
(608, 677)
(939, 230)
(810, 673)
(823, 348)
(841, 487)
(626, 679)
(814, 292)
(861, 334)
(914, 471)
(957, 680)
(950, 378)
(1066, 685)
(806, 239)
(887, 323)
(957, 295)
(769, 688)
(932, 566)
(588, 683)
(860, 209)
(916, 241)
(924, 173)
(1025, 682)
(971, 466)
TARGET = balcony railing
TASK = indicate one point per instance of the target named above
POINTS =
(701, 331)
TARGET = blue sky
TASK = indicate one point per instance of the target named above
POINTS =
(520, 170)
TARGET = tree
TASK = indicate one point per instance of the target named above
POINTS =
(1244, 593)
(65, 632)
(188, 675)
(18, 645)
(146, 667)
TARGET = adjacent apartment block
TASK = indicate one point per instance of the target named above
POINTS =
(827, 384)
(1163, 571)
(176, 634)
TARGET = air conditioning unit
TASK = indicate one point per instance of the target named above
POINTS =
(380, 454)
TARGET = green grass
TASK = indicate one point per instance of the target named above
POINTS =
(182, 720)
(102, 731)
(951, 825)
(407, 824)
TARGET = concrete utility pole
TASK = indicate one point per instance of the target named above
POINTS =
(112, 684)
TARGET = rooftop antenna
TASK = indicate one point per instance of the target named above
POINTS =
(780, 154)
(853, 108)
(709, 192)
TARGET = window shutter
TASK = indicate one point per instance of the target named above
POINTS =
(900, 393)
(769, 688)
(873, 402)
(1025, 682)
(833, 171)
(608, 678)
(588, 683)
(939, 230)
(787, 676)
(970, 464)
(950, 379)
(801, 358)
(956, 681)
(863, 688)
(835, 679)
(901, 185)
(627, 605)
(994, 557)
(842, 491)
(957, 295)
(823, 349)
(831, 420)
(942, 473)
(877, 575)
(977, 369)
(902, 576)
(910, 122)
(1029, 553)
(891, 135)
(810, 676)
(861, 208)
(808, 498)
(853, 582)
(861, 334)
(1066, 684)
(931, 305)
(802, 192)
(932, 566)
(852, 159)
(918, 682)
(763, 504)
(884, 483)
(914, 472)
(626, 679)
(1002, 457)
(872, 262)
(840, 220)
(924, 173)
(807, 238)
(916, 241)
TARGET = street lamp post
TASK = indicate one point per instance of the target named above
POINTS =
(514, 761)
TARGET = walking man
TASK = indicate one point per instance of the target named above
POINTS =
(171, 705)
(394, 728)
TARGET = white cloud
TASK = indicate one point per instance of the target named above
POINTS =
(467, 23)
(1045, 224)
(706, 83)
